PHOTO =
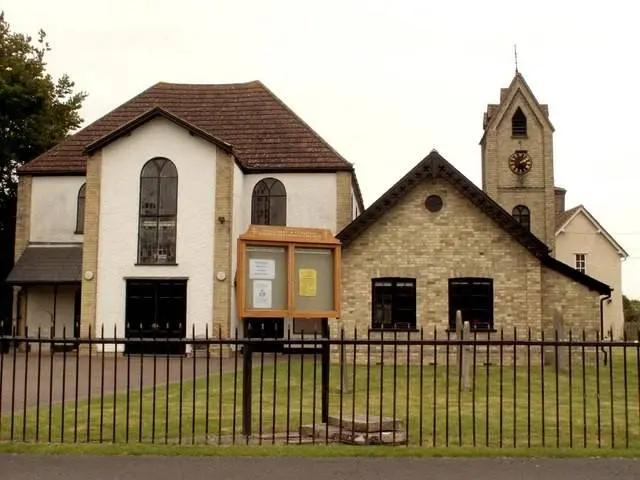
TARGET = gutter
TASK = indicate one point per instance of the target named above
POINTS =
(602, 300)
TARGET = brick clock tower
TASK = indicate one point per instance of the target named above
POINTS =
(517, 159)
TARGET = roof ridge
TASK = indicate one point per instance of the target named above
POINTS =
(188, 84)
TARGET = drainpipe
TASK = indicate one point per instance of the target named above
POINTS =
(602, 300)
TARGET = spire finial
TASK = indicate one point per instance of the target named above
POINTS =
(515, 54)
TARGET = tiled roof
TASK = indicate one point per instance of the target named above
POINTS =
(263, 132)
(435, 166)
(48, 265)
(562, 217)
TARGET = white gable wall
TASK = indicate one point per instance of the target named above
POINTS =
(311, 202)
(54, 202)
(122, 162)
(602, 263)
(311, 199)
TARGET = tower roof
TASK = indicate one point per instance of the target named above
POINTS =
(495, 112)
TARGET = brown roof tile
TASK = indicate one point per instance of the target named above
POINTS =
(264, 133)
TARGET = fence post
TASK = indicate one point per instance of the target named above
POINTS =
(558, 324)
(462, 333)
(247, 361)
(325, 372)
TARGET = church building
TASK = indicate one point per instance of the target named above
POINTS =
(507, 255)
(131, 225)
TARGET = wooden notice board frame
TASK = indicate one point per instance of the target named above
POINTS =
(292, 239)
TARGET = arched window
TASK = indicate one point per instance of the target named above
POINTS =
(80, 209)
(522, 216)
(519, 124)
(158, 212)
(269, 203)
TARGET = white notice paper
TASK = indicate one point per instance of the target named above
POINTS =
(262, 269)
(261, 294)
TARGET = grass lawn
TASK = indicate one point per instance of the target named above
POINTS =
(503, 408)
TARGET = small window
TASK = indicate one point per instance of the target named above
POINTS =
(474, 298)
(269, 203)
(394, 303)
(519, 124)
(80, 209)
(581, 262)
(158, 212)
(522, 215)
(433, 203)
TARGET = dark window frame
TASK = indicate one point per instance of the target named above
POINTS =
(80, 208)
(269, 203)
(394, 289)
(474, 297)
(150, 214)
(522, 215)
(519, 123)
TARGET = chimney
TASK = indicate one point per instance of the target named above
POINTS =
(560, 193)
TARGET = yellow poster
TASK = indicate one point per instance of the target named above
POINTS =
(308, 282)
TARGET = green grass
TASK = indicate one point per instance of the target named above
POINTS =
(478, 417)
(305, 451)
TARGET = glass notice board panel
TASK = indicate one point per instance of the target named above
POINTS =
(266, 278)
(313, 279)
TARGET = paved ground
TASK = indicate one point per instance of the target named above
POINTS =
(51, 368)
(51, 467)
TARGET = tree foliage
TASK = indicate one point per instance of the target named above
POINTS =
(36, 112)
(631, 309)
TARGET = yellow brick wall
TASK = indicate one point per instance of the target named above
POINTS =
(344, 200)
(23, 215)
(23, 232)
(458, 241)
(90, 245)
(579, 306)
(222, 244)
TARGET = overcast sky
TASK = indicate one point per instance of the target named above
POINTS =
(384, 82)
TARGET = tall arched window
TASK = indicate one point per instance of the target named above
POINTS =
(522, 216)
(519, 124)
(269, 203)
(80, 209)
(158, 212)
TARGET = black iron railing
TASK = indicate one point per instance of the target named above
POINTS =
(496, 389)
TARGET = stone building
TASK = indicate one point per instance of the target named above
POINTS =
(435, 243)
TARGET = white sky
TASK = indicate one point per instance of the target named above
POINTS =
(384, 82)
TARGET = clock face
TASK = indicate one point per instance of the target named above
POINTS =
(520, 162)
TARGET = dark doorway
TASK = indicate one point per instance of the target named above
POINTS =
(264, 328)
(156, 309)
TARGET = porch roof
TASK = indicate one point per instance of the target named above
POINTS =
(51, 264)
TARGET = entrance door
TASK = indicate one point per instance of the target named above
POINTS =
(156, 309)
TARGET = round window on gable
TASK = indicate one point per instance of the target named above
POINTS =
(433, 203)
